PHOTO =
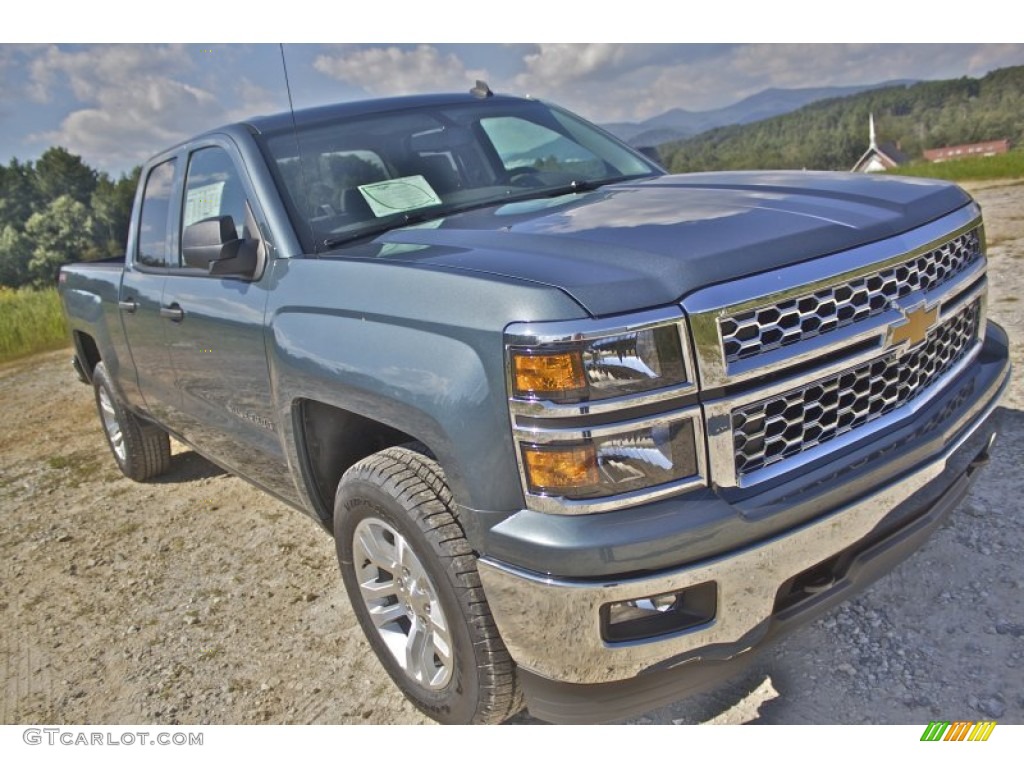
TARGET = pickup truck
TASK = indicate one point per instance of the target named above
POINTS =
(586, 434)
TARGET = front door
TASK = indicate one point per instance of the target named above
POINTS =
(216, 343)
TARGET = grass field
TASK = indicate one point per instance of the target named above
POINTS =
(1008, 166)
(30, 321)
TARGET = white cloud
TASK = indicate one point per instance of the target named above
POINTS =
(808, 65)
(136, 99)
(121, 103)
(560, 63)
(634, 82)
(393, 71)
(12, 58)
(255, 100)
(609, 82)
(92, 71)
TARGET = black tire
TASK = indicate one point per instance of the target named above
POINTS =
(401, 492)
(142, 450)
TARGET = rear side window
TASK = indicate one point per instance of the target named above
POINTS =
(153, 249)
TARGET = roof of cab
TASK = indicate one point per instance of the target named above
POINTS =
(329, 112)
(313, 115)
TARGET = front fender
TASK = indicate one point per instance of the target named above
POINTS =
(418, 350)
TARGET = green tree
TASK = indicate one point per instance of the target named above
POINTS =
(15, 253)
(111, 211)
(832, 134)
(58, 172)
(61, 234)
(18, 196)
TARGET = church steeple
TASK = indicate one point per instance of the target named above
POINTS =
(878, 157)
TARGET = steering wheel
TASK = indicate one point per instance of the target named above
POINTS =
(524, 176)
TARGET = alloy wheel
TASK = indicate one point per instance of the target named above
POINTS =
(402, 603)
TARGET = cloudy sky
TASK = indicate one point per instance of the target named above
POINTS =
(116, 104)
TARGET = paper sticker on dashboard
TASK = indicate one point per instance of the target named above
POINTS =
(408, 193)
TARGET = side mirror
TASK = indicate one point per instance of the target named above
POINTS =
(214, 245)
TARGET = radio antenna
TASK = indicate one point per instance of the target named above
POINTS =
(298, 147)
(287, 84)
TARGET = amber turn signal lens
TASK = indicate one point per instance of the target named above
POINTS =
(554, 375)
(560, 470)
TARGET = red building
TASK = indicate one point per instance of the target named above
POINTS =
(981, 149)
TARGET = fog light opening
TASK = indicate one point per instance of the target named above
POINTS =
(655, 615)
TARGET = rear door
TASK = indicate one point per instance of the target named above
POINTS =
(142, 286)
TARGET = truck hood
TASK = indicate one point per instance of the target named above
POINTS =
(642, 244)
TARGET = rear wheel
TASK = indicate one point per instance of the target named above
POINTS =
(414, 586)
(141, 450)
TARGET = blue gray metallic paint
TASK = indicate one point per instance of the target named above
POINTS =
(416, 349)
(90, 306)
(638, 245)
(411, 336)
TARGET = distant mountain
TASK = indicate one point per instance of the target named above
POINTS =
(832, 134)
(681, 123)
(656, 136)
(624, 131)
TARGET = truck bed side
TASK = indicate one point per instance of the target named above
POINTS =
(89, 295)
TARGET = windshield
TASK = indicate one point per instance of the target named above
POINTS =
(359, 177)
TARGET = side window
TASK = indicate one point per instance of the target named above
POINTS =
(152, 250)
(213, 188)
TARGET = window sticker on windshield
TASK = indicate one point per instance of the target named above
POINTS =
(203, 202)
(408, 193)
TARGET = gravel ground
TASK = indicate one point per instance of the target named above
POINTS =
(198, 599)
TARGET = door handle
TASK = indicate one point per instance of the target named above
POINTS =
(127, 305)
(173, 313)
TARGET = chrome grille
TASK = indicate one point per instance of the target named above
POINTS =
(787, 424)
(951, 406)
(753, 332)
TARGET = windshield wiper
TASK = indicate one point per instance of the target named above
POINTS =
(380, 229)
(584, 185)
(575, 186)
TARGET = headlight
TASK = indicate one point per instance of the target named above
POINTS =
(604, 412)
(611, 463)
(548, 375)
(599, 368)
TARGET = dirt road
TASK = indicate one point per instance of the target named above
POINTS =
(197, 599)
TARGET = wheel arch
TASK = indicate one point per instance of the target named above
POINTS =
(330, 439)
(87, 351)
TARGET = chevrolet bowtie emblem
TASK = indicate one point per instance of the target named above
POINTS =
(914, 326)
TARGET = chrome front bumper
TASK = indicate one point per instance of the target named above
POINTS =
(552, 627)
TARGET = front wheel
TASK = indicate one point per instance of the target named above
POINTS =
(412, 580)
